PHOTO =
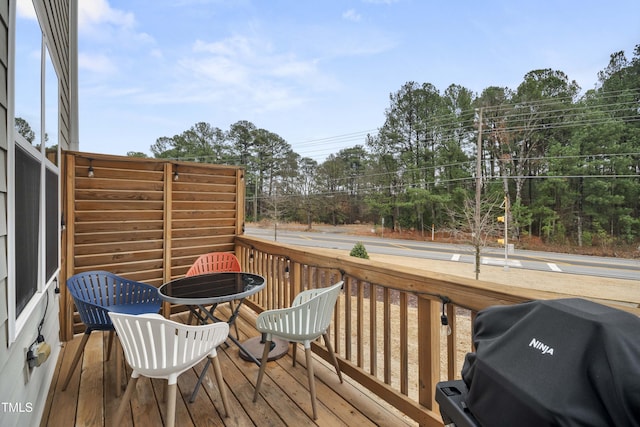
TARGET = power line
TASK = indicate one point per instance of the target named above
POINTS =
(441, 126)
(364, 190)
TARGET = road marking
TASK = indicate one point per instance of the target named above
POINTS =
(455, 257)
(554, 267)
(401, 246)
(498, 261)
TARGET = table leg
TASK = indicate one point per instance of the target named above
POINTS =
(255, 346)
(231, 322)
(200, 378)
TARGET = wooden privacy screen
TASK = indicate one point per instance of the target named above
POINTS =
(144, 219)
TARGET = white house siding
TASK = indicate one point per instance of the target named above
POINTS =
(23, 392)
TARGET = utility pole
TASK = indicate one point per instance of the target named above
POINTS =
(505, 219)
(506, 234)
(478, 193)
(255, 200)
(275, 223)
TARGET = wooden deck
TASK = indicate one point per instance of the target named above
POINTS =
(90, 398)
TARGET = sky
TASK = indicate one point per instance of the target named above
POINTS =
(316, 72)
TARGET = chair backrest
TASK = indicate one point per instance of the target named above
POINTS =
(317, 306)
(161, 348)
(213, 262)
(95, 292)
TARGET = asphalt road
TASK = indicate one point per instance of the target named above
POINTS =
(333, 238)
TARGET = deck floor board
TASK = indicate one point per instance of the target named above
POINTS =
(284, 400)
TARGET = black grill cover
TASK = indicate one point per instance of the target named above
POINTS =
(567, 362)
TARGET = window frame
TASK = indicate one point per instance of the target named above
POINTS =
(17, 322)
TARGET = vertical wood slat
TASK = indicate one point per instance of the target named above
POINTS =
(337, 343)
(360, 324)
(296, 271)
(387, 335)
(306, 278)
(404, 345)
(452, 340)
(274, 273)
(347, 318)
(240, 202)
(429, 349)
(373, 328)
(264, 271)
(264, 263)
(279, 280)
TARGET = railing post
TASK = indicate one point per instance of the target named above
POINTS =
(167, 230)
(428, 351)
(68, 240)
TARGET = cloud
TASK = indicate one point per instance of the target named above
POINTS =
(241, 60)
(109, 44)
(351, 15)
(98, 12)
(236, 46)
(249, 74)
(96, 63)
(25, 9)
(156, 53)
(99, 22)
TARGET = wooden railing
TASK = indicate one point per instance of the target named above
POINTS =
(393, 344)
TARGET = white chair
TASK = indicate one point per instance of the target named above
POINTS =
(156, 347)
(307, 319)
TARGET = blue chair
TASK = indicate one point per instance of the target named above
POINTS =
(95, 294)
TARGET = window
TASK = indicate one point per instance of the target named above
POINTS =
(52, 243)
(27, 228)
(33, 193)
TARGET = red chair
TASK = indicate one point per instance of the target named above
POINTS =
(211, 263)
(214, 261)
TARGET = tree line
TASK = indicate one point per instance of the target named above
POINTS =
(561, 164)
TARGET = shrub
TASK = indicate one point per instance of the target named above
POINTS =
(359, 251)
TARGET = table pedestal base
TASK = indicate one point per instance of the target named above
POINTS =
(255, 347)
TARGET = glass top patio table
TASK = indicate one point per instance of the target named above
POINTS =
(211, 288)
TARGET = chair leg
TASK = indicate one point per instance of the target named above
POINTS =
(125, 401)
(221, 385)
(263, 366)
(294, 353)
(118, 369)
(171, 405)
(111, 334)
(327, 343)
(76, 358)
(312, 382)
